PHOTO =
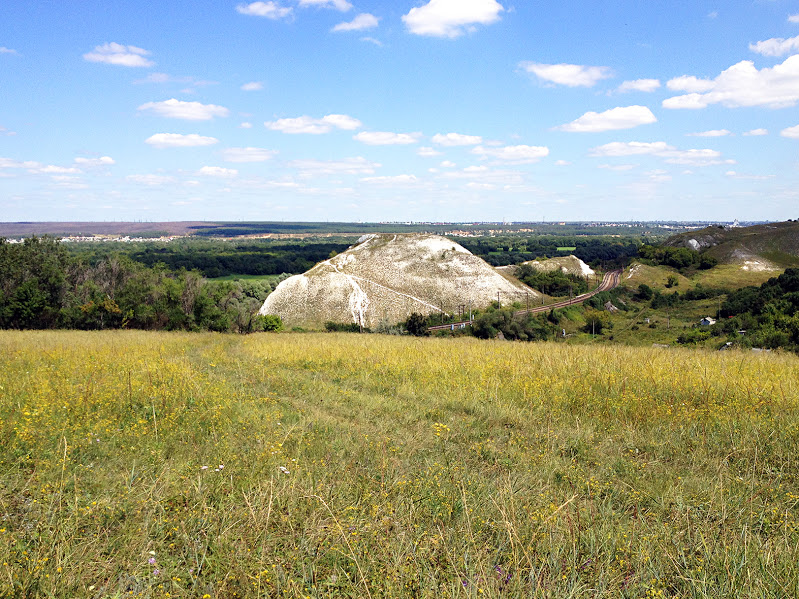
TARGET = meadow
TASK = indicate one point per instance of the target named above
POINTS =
(140, 464)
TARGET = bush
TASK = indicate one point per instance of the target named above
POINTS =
(267, 322)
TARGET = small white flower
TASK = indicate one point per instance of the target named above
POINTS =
(204, 468)
(284, 470)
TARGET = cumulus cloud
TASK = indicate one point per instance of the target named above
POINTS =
(340, 5)
(743, 85)
(486, 175)
(426, 152)
(451, 18)
(176, 140)
(617, 167)
(793, 19)
(346, 166)
(660, 149)
(95, 162)
(711, 133)
(247, 154)
(189, 111)
(4, 50)
(245, 125)
(386, 138)
(513, 154)
(218, 171)
(756, 132)
(118, 54)
(571, 75)
(310, 125)
(253, 86)
(269, 10)
(456, 139)
(776, 46)
(359, 23)
(792, 132)
(640, 85)
(689, 83)
(622, 117)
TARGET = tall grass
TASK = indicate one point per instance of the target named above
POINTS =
(179, 465)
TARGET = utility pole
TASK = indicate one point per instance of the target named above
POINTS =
(499, 306)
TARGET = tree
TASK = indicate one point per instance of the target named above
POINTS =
(416, 325)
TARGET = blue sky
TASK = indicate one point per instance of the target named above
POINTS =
(348, 110)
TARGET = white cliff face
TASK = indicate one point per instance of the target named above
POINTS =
(385, 278)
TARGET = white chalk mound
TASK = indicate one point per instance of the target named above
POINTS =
(385, 278)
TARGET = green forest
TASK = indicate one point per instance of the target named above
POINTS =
(45, 286)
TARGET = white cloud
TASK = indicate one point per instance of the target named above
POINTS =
(392, 180)
(253, 86)
(448, 164)
(61, 170)
(776, 46)
(176, 140)
(793, 19)
(562, 163)
(359, 23)
(346, 166)
(4, 131)
(456, 139)
(622, 117)
(792, 132)
(11, 163)
(691, 84)
(245, 125)
(711, 133)
(386, 138)
(307, 124)
(218, 171)
(340, 5)
(755, 132)
(189, 111)
(661, 149)
(481, 186)
(426, 152)
(640, 85)
(571, 75)
(166, 78)
(4, 50)
(149, 179)
(94, 162)
(513, 154)
(117, 54)
(743, 85)
(372, 40)
(247, 154)
(451, 18)
(269, 10)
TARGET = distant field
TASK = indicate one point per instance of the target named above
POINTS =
(327, 465)
(567, 248)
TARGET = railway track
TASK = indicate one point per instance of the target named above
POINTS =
(609, 281)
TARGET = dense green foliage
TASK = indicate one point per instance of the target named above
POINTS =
(505, 250)
(679, 258)
(520, 327)
(219, 258)
(769, 314)
(555, 283)
(43, 286)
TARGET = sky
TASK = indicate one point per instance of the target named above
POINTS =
(410, 110)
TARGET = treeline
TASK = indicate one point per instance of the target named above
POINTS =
(554, 283)
(769, 314)
(679, 258)
(220, 258)
(44, 286)
(506, 250)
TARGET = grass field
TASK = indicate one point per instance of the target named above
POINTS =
(329, 465)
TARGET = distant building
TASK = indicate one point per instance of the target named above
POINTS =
(707, 321)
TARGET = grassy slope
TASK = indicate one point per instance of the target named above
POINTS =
(414, 467)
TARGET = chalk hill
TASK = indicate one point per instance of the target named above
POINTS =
(571, 265)
(771, 246)
(385, 278)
